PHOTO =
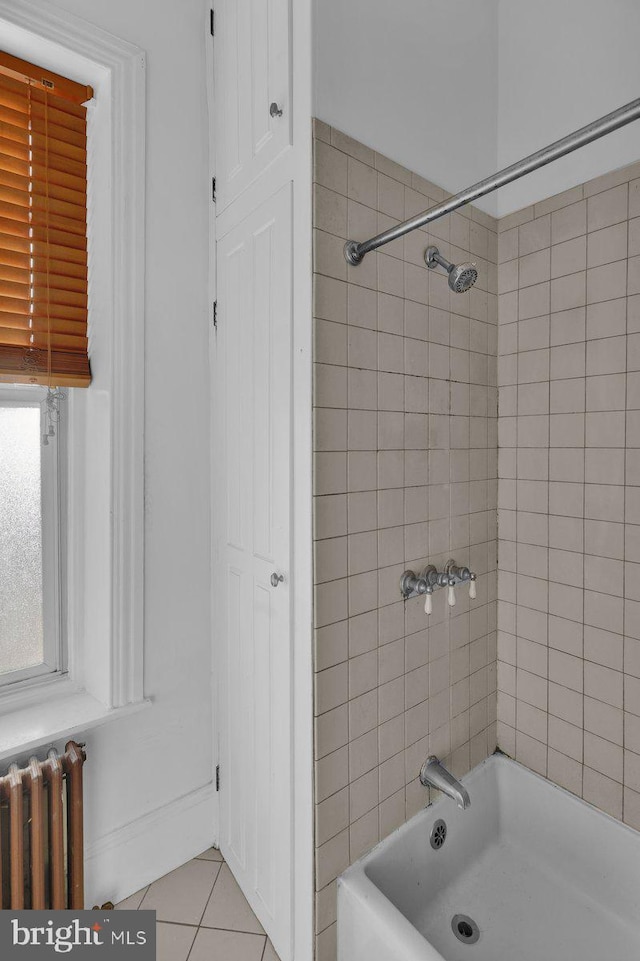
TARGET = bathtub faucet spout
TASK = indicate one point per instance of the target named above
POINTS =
(434, 774)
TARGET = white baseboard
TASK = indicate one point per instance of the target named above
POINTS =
(142, 851)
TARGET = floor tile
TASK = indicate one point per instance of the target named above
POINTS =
(228, 907)
(173, 941)
(132, 903)
(181, 896)
(211, 854)
(227, 946)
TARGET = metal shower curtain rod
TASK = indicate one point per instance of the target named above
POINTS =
(354, 251)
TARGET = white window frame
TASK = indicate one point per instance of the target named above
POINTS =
(105, 544)
(53, 539)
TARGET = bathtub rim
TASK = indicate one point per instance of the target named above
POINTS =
(355, 883)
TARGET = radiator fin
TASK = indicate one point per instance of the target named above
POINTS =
(41, 833)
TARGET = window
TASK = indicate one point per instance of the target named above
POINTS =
(31, 523)
(43, 341)
(99, 439)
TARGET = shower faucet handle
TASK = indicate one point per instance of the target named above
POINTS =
(451, 592)
(428, 580)
(428, 600)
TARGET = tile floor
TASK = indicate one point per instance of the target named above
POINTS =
(202, 915)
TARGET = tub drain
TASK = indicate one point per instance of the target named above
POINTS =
(465, 929)
(438, 834)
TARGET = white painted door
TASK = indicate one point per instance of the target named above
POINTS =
(253, 372)
(252, 71)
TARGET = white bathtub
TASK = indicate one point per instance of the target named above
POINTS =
(544, 876)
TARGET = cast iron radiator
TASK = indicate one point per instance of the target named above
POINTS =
(41, 833)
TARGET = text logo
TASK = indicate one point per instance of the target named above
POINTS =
(99, 935)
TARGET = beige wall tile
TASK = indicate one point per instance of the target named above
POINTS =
(568, 292)
(608, 245)
(606, 282)
(534, 235)
(607, 208)
(565, 771)
(534, 301)
(332, 858)
(603, 792)
(403, 474)
(607, 319)
(604, 720)
(569, 222)
(350, 146)
(330, 167)
(611, 179)
(563, 199)
(570, 257)
(332, 816)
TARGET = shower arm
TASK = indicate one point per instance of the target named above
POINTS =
(355, 251)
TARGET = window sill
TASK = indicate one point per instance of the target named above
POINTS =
(65, 713)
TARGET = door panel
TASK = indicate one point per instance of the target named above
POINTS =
(252, 70)
(253, 370)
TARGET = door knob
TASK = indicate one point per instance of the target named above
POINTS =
(275, 110)
(276, 579)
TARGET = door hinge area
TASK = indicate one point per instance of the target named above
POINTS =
(212, 23)
(213, 189)
(215, 314)
(217, 777)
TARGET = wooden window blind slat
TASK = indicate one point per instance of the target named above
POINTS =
(14, 179)
(11, 195)
(59, 178)
(66, 194)
(12, 148)
(17, 117)
(43, 227)
(64, 137)
(42, 207)
(14, 228)
(57, 140)
(39, 325)
(57, 222)
(67, 275)
(15, 306)
(18, 274)
(14, 132)
(19, 286)
(61, 118)
(12, 336)
(54, 162)
(13, 212)
(56, 312)
(14, 165)
(48, 146)
(13, 98)
(61, 297)
(13, 261)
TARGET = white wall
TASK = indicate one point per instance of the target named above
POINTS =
(457, 90)
(416, 80)
(562, 64)
(145, 763)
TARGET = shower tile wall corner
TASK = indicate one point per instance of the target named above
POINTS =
(569, 490)
(405, 440)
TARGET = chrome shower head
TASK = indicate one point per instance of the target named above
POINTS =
(461, 276)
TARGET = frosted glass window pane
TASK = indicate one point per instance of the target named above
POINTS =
(21, 599)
